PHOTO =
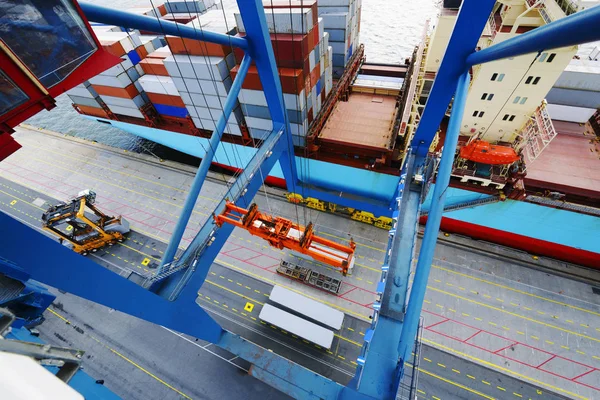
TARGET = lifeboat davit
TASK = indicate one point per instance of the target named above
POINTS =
(483, 152)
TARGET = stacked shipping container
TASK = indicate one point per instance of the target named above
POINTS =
(187, 81)
(341, 19)
(300, 46)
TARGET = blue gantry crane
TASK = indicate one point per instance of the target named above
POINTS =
(168, 298)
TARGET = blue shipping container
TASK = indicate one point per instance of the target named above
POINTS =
(171, 111)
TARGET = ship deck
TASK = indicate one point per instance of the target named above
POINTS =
(365, 120)
(495, 325)
(569, 164)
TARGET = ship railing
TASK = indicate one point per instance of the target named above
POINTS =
(418, 72)
(560, 204)
(467, 204)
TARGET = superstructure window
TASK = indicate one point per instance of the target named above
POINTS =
(523, 100)
(551, 57)
(543, 57)
(481, 114)
(500, 77)
(528, 80)
(517, 99)
(536, 80)
(490, 96)
(505, 117)
(494, 76)
(484, 96)
(512, 118)
(475, 113)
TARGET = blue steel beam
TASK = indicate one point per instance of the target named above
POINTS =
(376, 372)
(472, 17)
(419, 286)
(207, 160)
(578, 28)
(57, 266)
(205, 246)
(261, 49)
(111, 16)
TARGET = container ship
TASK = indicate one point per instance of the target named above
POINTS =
(522, 177)
(526, 148)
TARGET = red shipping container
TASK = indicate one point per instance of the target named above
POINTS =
(315, 33)
(93, 111)
(196, 47)
(128, 93)
(180, 18)
(315, 75)
(154, 66)
(291, 51)
(162, 9)
(310, 116)
(160, 54)
(295, 4)
(292, 80)
(113, 48)
(166, 99)
(142, 52)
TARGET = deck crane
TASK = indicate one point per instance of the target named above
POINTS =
(283, 233)
(84, 231)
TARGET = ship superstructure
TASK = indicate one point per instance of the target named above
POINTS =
(507, 123)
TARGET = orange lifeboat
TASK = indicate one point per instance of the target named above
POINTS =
(483, 152)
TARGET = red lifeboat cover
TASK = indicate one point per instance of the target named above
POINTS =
(483, 152)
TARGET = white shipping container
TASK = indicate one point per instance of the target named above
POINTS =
(297, 326)
(582, 75)
(158, 84)
(84, 101)
(81, 91)
(310, 308)
(569, 113)
(199, 67)
(336, 21)
(136, 102)
(132, 112)
(119, 81)
(202, 86)
(321, 27)
(257, 98)
(284, 20)
(128, 41)
(338, 47)
(113, 71)
(334, 3)
(312, 59)
(210, 125)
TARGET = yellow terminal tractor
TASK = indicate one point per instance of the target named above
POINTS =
(82, 230)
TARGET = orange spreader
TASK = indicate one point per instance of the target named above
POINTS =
(283, 233)
(483, 152)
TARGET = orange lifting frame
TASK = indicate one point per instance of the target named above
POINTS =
(283, 233)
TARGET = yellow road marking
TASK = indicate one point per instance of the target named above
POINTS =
(146, 261)
(249, 307)
(515, 314)
(517, 290)
(468, 389)
(12, 203)
(272, 282)
(505, 370)
(129, 360)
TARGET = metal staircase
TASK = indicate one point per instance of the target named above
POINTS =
(537, 133)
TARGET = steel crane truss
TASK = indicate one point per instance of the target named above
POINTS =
(170, 302)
